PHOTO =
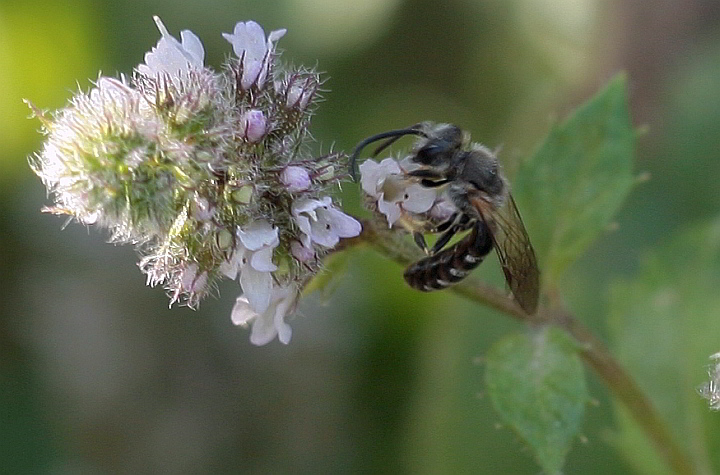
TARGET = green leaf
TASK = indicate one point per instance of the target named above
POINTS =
(665, 325)
(537, 384)
(577, 180)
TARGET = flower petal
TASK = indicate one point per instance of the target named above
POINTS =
(170, 56)
(257, 287)
(229, 269)
(263, 330)
(231, 266)
(242, 314)
(288, 298)
(306, 205)
(258, 234)
(418, 198)
(372, 174)
(193, 46)
(324, 235)
(248, 41)
(303, 222)
(262, 260)
(391, 210)
(343, 225)
(275, 35)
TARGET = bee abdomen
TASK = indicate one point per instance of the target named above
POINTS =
(451, 265)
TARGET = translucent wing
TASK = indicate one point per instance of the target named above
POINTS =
(515, 252)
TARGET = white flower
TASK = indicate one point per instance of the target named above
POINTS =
(254, 125)
(322, 223)
(171, 56)
(386, 182)
(295, 178)
(268, 324)
(253, 260)
(249, 44)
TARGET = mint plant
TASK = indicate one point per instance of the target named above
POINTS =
(210, 175)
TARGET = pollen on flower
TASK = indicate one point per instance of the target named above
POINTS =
(207, 171)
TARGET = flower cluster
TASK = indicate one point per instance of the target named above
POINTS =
(207, 172)
(711, 389)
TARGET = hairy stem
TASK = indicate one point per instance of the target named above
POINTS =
(592, 351)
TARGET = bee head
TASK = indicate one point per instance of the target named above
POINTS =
(440, 146)
(482, 171)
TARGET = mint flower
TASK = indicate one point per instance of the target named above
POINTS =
(392, 193)
(321, 223)
(249, 44)
(206, 171)
(252, 259)
(269, 323)
(170, 56)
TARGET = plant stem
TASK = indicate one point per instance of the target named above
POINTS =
(592, 351)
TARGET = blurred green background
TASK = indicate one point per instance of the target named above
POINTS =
(98, 376)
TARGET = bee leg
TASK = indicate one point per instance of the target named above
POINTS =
(445, 238)
(457, 222)
(430, 179)
(443, 226)
(425, 173)
(420, 241)
(433, 183)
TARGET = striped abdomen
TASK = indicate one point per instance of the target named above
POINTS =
(453, 264)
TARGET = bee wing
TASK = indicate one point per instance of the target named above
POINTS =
(515, 252)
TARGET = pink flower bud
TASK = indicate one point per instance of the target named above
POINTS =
(295, 178)
(300, 252)
(298, 96)
(254, 125)
(191, 281)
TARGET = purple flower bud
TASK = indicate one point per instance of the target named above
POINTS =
(300, 252)
(295, 178)
(298, 96)
(254, 125)
(191, 281)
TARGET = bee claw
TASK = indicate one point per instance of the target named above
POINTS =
(420, 241)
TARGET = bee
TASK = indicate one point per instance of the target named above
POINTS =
(472, 180)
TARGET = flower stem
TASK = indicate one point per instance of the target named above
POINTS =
(592, 351)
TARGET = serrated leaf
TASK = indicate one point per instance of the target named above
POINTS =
(577, 180)
(537, 385)
(665, 325)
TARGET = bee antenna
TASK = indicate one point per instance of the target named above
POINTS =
(394, 135)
